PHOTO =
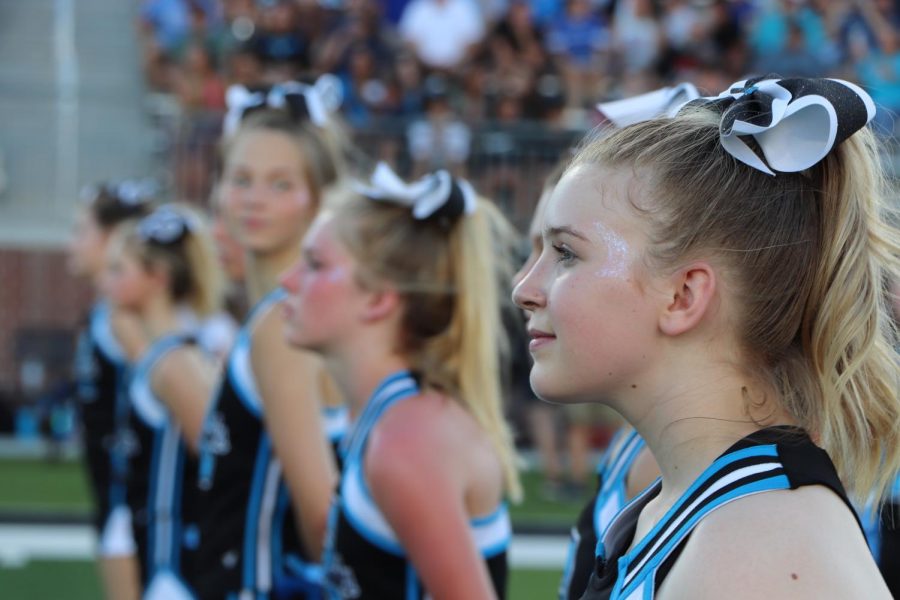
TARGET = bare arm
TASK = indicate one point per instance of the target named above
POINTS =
(289, 384)
(421, 494)
(184, 380)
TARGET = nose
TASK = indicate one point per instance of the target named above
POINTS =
(528, 293)
(290, 279)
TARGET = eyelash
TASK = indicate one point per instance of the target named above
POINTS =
(565, 255)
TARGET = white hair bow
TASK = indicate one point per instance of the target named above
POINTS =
(436, 194)
(302, 101)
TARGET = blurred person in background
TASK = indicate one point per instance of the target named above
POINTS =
(106, 347)
(440, 139)
(442, 33)
(267, 470)
(284, 52)
(156, 268)
(579, 40)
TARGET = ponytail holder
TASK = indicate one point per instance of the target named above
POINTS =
(165, 226)
(302, 102)
(437, 195)
(796, 122)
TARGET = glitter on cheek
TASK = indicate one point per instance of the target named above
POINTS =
(617, 253)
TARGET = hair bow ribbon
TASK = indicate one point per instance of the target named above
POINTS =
(302, 101)
(165, 226)
(437, 194)
(795, 122)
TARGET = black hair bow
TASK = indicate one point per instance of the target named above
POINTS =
(795, 122)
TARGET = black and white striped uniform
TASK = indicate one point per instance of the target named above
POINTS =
(363, 557)
(162, 505)
(610, 499)
(101, 373)
(246, 541)
(776, 458)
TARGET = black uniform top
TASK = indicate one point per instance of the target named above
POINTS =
(363, 557)
(776, 458)
(159, 465)
(100, 372)
(596, 516)
(245, 539)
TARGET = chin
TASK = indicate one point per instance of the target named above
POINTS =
(557, 389)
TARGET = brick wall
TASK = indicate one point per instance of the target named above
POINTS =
(37, 296)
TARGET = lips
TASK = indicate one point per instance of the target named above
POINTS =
(539, 338)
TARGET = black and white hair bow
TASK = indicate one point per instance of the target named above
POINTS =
(436, 195)
(795, 122)
(302, 101)
(662, 102)
(130, 192)
(165, 226)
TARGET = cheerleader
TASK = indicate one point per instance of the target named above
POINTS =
(154, 269)
(397, 291)
(105, 347)
(718, 283)
(266, 468)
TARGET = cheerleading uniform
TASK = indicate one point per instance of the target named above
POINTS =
(160, 464)
(363, 557)
(776, 458)
(611, 497)
(246, 544)
(100, 371)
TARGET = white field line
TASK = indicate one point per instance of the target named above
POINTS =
(22, 543)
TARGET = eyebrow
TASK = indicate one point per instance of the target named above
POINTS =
(551, 231)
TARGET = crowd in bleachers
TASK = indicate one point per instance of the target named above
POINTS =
(442, 83)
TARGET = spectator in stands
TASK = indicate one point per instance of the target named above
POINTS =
(638, 42)
(879, 72)
(440, 139)
(196, 83)
(408, 96)
(285, 54)
(360, 25)
(365, 92)
(165, 26)
(770, 33)
(579, 40)
(245, 68)
(442, 32)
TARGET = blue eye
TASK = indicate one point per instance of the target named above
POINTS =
(564, 254)
(240, 181)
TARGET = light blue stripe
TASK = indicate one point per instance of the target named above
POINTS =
(412, 588)
(151, 496)
(778, 482)
(711, 471)
(250, 534)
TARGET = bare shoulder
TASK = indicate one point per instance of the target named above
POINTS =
(184, 361)
(802, 543)
(423, 426)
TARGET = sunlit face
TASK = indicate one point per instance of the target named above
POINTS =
(125, 282)
(324, 298)
(87, 246)
(593, 324)
(264, 192)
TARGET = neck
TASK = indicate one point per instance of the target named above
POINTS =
(358, 374)
(159, 317)
(263, 270)
(695, 416)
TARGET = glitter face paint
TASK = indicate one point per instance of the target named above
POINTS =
(617, 253)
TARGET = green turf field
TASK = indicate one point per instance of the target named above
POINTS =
(41, 487)
(77, 580)
(44, 488)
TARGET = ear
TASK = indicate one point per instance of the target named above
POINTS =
(380, 304)
(691, 295)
